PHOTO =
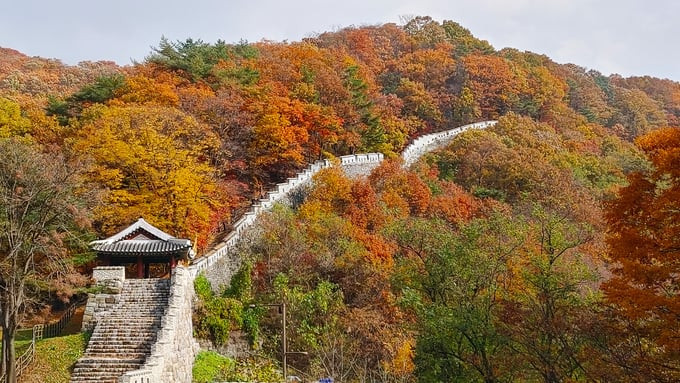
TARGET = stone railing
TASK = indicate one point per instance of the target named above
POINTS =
(174, 344)
(430, 142)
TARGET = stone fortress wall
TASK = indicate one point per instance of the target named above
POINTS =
(434, 141)
(410, 155)
(175, 346)
(280, 193)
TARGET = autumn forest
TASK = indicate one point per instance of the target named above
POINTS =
(543, 249)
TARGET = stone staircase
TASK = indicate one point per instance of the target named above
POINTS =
(122, 340)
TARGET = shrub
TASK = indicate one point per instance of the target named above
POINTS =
(215, 317)
(203, 288)
(210, 366)
(241, 284)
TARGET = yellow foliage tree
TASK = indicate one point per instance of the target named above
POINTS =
(153, 163)
(140, 89)
(12, 123)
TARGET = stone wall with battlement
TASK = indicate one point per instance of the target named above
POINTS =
(280, 193)
(430, 142)
(175, 348)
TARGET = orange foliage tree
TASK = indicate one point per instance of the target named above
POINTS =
(644, 243)
(494, 83)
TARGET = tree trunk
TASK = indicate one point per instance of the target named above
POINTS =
(10, 356)
(8, 351)
(3, 367)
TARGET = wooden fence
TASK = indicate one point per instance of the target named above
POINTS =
(26, 358)
(42, 331)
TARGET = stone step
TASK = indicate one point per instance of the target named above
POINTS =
(135, 314)
(113, 331)
(134, 328)
(134, 293)
(123, 353)
(122, 340)
(135, 322)
(141, 307)
(122, 336)
(106, 365)
(126, 338)
(134, 311)
(114, 355)
(122, 327)
(150, 300)
(106, 349)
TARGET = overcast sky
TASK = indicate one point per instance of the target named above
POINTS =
(628, 37)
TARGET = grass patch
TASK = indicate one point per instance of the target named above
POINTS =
(20, 346)
(210, 366)
(23, 334)
(55, 358)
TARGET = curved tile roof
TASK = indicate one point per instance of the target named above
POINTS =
(153, 246)
(142, 238)
(141, 224)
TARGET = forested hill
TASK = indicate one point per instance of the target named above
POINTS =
(187, 137)
(253, 113)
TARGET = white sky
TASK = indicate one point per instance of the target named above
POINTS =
(629, 37)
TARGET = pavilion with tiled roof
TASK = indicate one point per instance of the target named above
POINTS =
(142, 244)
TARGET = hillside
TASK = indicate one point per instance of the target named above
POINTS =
(506, 256)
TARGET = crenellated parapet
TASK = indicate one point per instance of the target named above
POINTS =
(434, 141)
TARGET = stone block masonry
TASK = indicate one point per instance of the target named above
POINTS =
(109, 281)
(104, 273)
(172, 354)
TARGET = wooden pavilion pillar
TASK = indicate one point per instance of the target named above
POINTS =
(173, 262)
(146, 270)
(140, 267)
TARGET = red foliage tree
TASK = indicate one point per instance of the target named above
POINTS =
(644, 241)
